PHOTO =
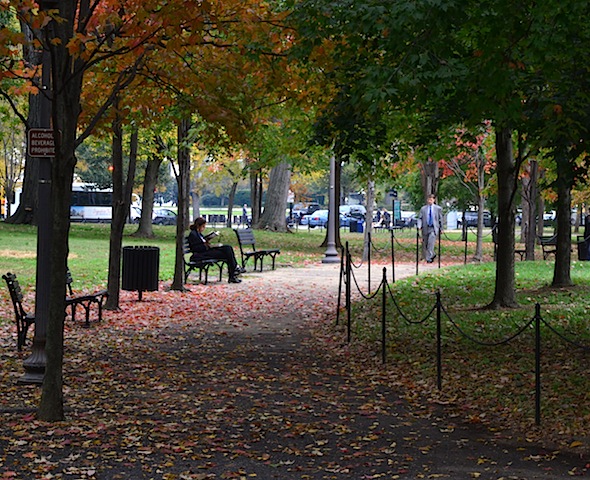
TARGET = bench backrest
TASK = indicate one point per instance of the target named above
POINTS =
(16, 294)
(548, 240)
(246, 237)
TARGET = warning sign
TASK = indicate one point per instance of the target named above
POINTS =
(41, 142)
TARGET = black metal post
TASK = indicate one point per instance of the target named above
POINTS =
(417, 248)
(348, 302)
(383, 316)
(393, 255)
(538, 364)
(465, 253)
(438, 342)
(369, 263)
(341, 279)
(439, 236)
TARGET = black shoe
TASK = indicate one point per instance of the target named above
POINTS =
(429, 261)
(234, 280)
(240, 270)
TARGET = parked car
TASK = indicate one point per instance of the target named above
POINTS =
(471, 219)
(348, 212)
(301, 209)
(408, 219)
(319, 218)
(164, 216)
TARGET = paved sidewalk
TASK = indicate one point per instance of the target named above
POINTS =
(305, 414)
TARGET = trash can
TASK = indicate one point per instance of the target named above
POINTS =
(141, 269)
(353, 225)
(360, 226)
(582, 248)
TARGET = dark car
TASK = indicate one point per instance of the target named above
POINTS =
(163, 216)
(471, 219)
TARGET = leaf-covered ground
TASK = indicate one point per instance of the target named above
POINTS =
(243, 381)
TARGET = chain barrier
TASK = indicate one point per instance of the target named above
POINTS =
(369, 296)
(564, 338)
(486, 344)
(348, 276)
(403, 315)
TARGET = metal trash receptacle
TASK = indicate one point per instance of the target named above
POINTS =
(141, 269)
(582, 248)
(353, 225)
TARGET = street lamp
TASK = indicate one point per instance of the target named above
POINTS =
(331, 254)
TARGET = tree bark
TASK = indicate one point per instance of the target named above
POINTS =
(565, 175)
(430, 177)
(26, 212)
(368, 218)
(529, 209)
(230, 204)
(65, 109)
(505, 293)
(152, 169)
(183, 181)
(274, 215)
(256, 195)
(122, 189)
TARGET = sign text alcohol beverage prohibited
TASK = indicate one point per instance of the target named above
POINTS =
(41, 142)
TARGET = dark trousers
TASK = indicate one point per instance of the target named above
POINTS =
(224, 252)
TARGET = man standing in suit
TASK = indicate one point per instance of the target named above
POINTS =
(431, 224)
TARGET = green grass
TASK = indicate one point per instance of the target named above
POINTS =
(492, 381)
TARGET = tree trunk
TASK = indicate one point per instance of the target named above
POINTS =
(505, 293)
(26, 213)
(368, 218)
(256, 195)
(529, 210)
(561, 270)
(145, 229)
(274, 215)
(65, 109)
(540, 223)
(230, 204)
(183, 181)
(430, 176)
(122, 190)
(480, 163)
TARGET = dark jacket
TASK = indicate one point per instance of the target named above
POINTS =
(197, 243)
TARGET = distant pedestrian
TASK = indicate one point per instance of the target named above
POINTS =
(245, 214)
(431, 223)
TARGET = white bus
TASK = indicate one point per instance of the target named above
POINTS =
(90, 204)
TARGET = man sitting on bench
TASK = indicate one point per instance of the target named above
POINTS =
(202, 250)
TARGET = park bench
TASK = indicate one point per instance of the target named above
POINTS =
(548, 245)
(521, 252)
(23, 319)
(202, 266)
(248, 250)
(97, 298)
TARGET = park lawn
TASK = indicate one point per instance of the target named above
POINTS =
(495, 384)
(491, 382)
